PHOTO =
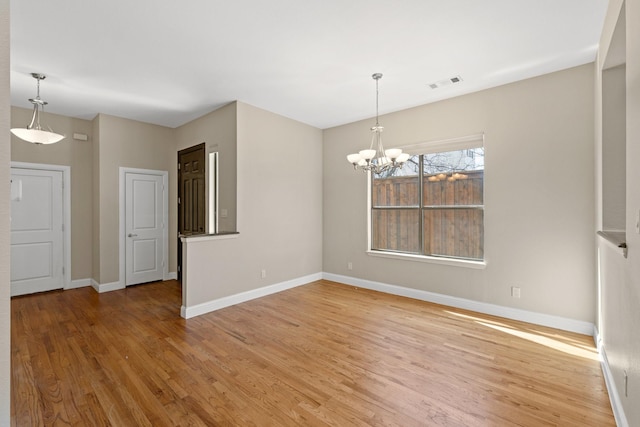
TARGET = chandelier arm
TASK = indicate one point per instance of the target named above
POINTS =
(41, 113)
(35, 118)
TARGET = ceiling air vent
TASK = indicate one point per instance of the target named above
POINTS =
(445, 82)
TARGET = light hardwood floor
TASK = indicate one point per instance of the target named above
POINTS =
(319, 354)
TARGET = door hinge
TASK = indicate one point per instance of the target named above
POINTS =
(178, 166)
(178, 200)
(63, 271)
(63, 227)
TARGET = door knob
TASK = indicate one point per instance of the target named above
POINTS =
(133, 235)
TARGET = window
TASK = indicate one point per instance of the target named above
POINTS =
(434, 205)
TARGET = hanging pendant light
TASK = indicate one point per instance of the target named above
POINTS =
(376, 159)
(34, 132)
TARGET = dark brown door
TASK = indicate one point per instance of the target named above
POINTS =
(191, 194)
(191, 191)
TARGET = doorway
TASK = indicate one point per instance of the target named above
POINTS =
(40, 224)
(143, 225)
(191, 190)
(191, 195)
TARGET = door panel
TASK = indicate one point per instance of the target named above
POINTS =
(36, 231)
(144, 228)
(144, 258)
(187, 204)
(31, 261)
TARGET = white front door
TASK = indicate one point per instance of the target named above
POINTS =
(144, 228)
(36, 231)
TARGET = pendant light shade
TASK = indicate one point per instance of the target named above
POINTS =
(34, 132)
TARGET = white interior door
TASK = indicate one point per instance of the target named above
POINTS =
(144, 228)
(36, 231)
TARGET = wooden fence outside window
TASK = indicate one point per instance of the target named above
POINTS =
(452, 216)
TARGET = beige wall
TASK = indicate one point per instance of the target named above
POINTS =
(613, 160)
(279, 211)
(5, 208)
(632, 320)
(127, 143)
(280, 195)
(218, 130)
(619, 320)
(539, 195)
(95, 199)
(79, 156)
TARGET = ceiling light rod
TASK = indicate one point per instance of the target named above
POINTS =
(376, 159)
(33, 132)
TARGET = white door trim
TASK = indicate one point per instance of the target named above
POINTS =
(66, 212)
(165, 220)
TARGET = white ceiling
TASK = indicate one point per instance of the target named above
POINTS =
(168, 62)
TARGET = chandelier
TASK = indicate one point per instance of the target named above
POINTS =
(376, 159)
(33, 132)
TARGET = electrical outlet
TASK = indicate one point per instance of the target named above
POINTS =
(515, 292)
(349, 265)
(263, 273)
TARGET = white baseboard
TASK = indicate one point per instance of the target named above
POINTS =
(557, 322)
(614, 397)
(79, 283)
(563, 323)
(209, 306)
(115, 286)
(106, 287)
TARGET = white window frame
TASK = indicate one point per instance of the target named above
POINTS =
(437, 146)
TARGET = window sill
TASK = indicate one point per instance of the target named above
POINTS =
(478, 265)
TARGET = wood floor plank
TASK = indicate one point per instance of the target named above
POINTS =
(320, 354)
